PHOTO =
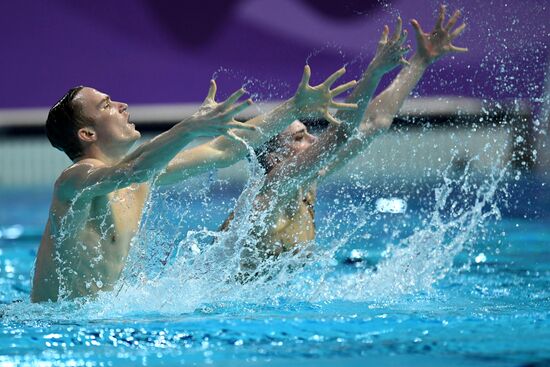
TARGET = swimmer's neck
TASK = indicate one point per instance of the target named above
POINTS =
(107, 155)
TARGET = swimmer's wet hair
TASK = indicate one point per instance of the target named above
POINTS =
(268, 153)
(64, 120)
(264, 152)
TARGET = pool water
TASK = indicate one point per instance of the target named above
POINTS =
(402, 287)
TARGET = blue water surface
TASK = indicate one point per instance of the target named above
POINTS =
(491, 307)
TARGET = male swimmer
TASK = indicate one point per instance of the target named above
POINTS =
(98, 201)
(295, 159)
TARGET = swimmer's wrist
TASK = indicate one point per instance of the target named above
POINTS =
(421, 61)
(375, 70)
(290, 104)
(293, 107)
(286, 110)
(189, 127)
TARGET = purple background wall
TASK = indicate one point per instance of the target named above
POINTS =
(146, 51)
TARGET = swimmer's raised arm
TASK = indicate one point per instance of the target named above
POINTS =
(290, 175)
(92, 177)
(382, 110)
(430, 47)
(389, 55)
(309, 102)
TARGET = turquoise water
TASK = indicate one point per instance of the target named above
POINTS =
(406, 288)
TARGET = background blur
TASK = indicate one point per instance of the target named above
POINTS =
(159, 55)
(150, 51)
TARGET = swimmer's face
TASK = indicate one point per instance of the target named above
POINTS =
(295, 139)
(109, 119)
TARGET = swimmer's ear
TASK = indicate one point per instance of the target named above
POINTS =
(87, 134)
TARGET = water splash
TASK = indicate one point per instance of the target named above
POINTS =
(207, 262)
(203, 264)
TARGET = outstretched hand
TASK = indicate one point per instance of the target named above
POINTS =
(390, 52)
(215, 119)
(314, 102)
(432, 46)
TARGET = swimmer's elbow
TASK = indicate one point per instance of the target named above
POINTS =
(376, 125)
(225, 160)
(133, 172)
(382, 123)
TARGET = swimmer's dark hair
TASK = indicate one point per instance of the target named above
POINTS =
(64, 120)
(268, 153)
(265, 151)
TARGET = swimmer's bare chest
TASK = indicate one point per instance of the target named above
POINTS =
(296, 224)
(85, 246)
(112, 223)
(115, 217)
